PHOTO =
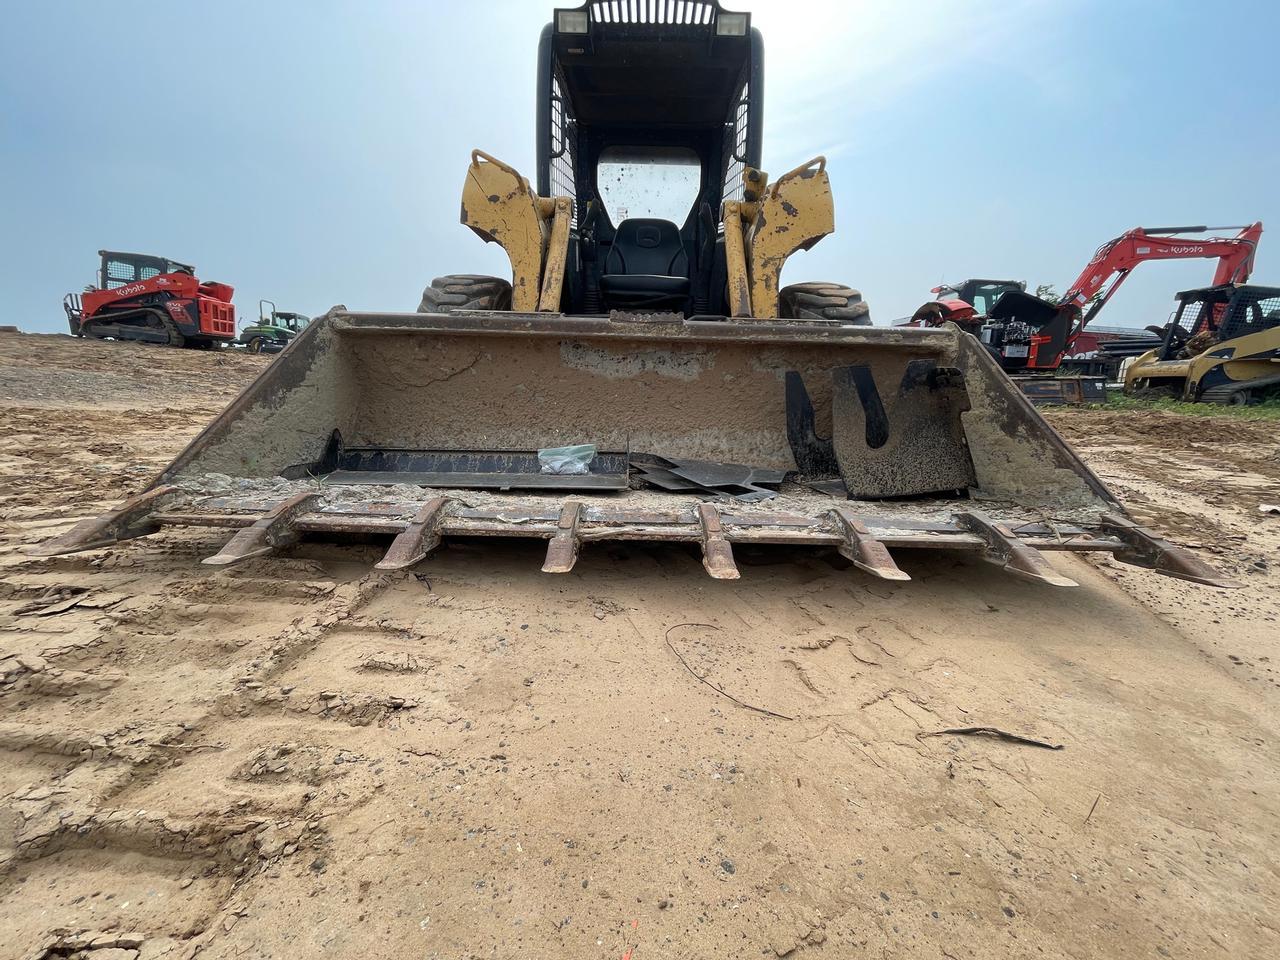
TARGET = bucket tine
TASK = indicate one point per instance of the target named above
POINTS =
(1005, 549)
(418, 539)
(562, 551)
(717, 552)
(1145, 549)
(269, 533)
(863, 550)
(129, 520)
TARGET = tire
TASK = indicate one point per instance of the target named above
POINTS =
(822, 300)
(254, 345)
(1241, 398)
(464, 291)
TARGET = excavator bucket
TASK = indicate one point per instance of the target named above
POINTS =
(421, 427)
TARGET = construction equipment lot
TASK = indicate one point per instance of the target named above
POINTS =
(304, 756)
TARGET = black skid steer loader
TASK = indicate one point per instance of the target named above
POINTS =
(644, 331)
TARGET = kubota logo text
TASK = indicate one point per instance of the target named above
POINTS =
(1192, 249)
(130, 290)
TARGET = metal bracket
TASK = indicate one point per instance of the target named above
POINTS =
(562, 551)
(557, 254)
(717, 552)
(416, 540)
(1144, 549)
(267, 534)
(793, 214)
(735, 253)
(1004, 549)
(128, 521)
(863, 550)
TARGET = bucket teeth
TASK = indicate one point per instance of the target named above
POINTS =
(863, 550)
(562, 551)
(267, 534)
(417, 526)
(1004, 549)
(717, 552)
(1142, 548)
(129, 520)
(418, 539)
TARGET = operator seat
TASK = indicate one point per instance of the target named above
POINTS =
(646, 266)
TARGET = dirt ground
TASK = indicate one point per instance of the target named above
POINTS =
(298, 757)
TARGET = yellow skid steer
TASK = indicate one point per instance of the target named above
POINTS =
(642, 375)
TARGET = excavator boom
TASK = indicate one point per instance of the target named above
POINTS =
(1030, 334)
(1115, 260)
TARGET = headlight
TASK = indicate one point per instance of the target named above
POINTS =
(732, 24)
(571, 21)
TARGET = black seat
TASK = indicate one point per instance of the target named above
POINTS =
(646, 265)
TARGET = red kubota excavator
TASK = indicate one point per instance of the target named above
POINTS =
(154, 300)
(1027, 334)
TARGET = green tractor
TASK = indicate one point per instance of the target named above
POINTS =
(272, 333)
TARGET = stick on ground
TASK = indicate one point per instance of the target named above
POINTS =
(701, 679)
(994, 732)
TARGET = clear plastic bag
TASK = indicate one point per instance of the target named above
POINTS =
(567, 460)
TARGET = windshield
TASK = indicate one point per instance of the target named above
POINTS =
(985, 295)
(655, 182)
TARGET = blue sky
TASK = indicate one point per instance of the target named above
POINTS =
(314, 153)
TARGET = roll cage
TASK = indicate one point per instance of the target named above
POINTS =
(119, 269)
(675, 75)
(1227, 311)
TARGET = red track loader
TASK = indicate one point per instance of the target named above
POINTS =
(154, 300)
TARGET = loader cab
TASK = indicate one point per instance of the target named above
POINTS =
(121, 269)
(1217, 315)
(649, 117)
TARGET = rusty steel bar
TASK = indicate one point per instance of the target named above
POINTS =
(863, 550)
(133, 518)
(562, 551)
(418, 539)
(1142, 548)
(267, 534)
(1005, 550)
(717, 552)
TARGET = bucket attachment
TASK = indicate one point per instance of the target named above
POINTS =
(420, 427)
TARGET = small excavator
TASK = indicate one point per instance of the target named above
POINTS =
(1028, 334)
(641, 374)
(153, 300)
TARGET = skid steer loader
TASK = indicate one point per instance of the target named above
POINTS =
(644, 323)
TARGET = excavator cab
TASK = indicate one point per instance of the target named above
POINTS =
(979, 294)
(641, 373)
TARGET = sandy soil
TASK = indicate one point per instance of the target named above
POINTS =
(298, 758)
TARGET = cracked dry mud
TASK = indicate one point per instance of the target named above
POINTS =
(298, 757)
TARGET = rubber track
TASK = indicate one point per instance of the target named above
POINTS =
(176, 339)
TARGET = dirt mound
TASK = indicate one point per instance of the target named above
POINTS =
(1154, 428)
(40, 370)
